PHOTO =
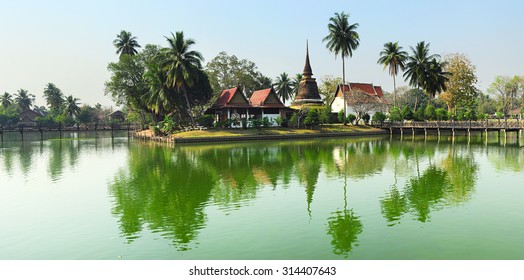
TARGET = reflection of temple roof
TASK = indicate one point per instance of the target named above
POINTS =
(307, 94)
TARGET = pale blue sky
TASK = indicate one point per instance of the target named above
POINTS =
(69, 43)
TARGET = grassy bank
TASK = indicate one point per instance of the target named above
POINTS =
(262, 133)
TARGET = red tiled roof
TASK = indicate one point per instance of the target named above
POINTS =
(378, 90)
(226, 96)
(367, 88)
(259, 97)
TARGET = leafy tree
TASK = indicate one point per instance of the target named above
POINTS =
(507, 90)
(71, 108)
(461, 89)
(379, 117)
(393, 57)
(342, 39)
(6, 100)
(441, 114)
(86, 115)
(419, 114)
(325, 115)
(362, 103)
(486, 104)
(406, 113)
(340, 116)
(181, 65)
(312, 118)
(24, 100)
(351, 118)
(395, 114)
(328, 87)
(225, 71)
(54, 97)
(283, 87)
(429, 112)
(125, 43)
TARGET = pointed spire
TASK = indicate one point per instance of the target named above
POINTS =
(308, 73)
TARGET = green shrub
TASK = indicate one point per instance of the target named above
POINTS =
(266, 122)
(379, 117)
(312, 118)
(256, 123)
(294, 120)
(441, 114)
(429, 113)
(207, 120)
(340, 116)
(406, 113)
(366, 118)
(351, 118)
(419, 115)
(395, 114)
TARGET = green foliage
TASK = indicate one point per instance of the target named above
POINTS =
(325, 116)
(379, 117)
(406, 113)
(266, 122)
(395, 114)
(256, 123)
(312, 118)
(207, 120)
(327, 88)
(419, 114)
(351, 118)
(225, 71)
(294, 120)
(499, 115)
(284, 87)
(441, 114)
(168, 125)
(340, 116)
(429, 113)
(366, 118)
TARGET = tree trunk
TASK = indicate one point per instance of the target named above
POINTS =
(343, 89)
(190, 113)
(394, 92)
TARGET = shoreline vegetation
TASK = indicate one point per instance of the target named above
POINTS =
(273, 133)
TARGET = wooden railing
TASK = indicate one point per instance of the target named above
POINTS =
(486, 124)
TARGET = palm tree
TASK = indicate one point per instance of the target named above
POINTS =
(393, 57)
(125, 43)
(71, 108)
(436, 78)
(342, 39)
(181, 65)
(284, 87)
(24, 100)
(295, 84)
(6, 100)
(417, 64)
(53, 97)
(157, 98)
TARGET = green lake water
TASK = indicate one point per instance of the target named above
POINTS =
(345, 198)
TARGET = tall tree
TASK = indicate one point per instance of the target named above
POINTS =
(182, 65)
(436, 77)
(342, 39)
(227, 71)
(71, 108)
(24, 100)
(125, 43)
(327, 88)
(393, 57)
(460, 85)
(53, 97)
(507, 90)
(417, 63)
(283, 87)
(6, 100)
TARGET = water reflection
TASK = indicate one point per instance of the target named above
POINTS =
(451, 181)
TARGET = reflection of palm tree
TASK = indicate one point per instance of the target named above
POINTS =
(344, 226)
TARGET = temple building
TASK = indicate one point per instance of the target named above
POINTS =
(307, 95)
(374, 94)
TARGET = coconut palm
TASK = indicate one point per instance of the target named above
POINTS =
(24, 100)
(157, 98)
(125, 43)
(436, 78)
(182, 65)
(342, 39)
(6, 100)
(295, 83)
(417, 64)
(53, 97)
(284, 87)
(71, 107)
(393, 57)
